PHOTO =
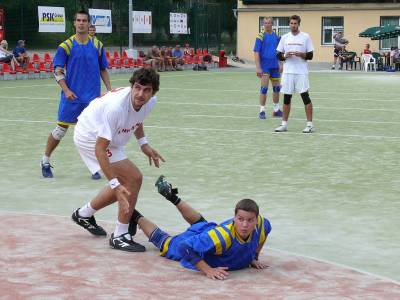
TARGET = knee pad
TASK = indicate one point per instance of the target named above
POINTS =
(59, 132)
(286, 99)
(276, 89)
(306, 98)
(264, 90)
(158, 237)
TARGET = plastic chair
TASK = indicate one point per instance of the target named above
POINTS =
(368, 60)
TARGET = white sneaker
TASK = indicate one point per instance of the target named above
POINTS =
(308, 129)
(281, 128)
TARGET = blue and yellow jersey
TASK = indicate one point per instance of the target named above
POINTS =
(82, 63)
(217, 245)
(265, 45)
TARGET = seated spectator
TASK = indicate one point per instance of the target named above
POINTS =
(367, 49)
(21, 55)
(178, 56)
(346, 57)
(188, 53)
(153, 58)
(6, 56)
(166, 58)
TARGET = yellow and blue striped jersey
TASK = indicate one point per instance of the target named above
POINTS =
(217, 245)
(83, 62)
(265, 45)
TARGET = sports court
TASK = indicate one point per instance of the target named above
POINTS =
(332, 196)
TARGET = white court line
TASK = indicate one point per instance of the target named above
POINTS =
(166, 98)
(297, 119)
(335, 93)
(237, 130)
(274, 249)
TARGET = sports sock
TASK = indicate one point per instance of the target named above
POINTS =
(309, 124)
(120, 229)
(275, 107)
(284, 123)
(45, 159)
(262, 108)
(86, 211)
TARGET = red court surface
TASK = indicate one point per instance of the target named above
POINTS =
(50, 257)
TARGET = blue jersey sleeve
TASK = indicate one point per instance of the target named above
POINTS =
(103, 63)
(60, 59)
(193, 249)
(258, 44)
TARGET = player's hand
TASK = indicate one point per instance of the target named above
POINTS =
(153, 155)
(259, 72)
(258, 265)
(217, 273)
(299, 54)
(289, 54)
(70, 95)
(122, 195)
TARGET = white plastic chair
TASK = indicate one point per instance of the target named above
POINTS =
(368, 60)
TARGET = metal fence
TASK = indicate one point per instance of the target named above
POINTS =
(211, 22)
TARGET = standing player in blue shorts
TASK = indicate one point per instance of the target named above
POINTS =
(205, 246)
(268, 67)
(79, 63)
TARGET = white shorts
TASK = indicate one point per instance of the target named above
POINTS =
(86, 149)
(292, 83)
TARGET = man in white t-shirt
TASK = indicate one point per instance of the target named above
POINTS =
(102, 131)
(294, 49)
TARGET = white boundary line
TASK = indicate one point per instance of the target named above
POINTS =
(167, 98)
(297, 119)
(274, 249)
(240, 130)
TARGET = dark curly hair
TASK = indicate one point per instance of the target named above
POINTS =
(247, 205)
(146, 76)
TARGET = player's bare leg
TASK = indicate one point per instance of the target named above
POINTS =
(263, 94)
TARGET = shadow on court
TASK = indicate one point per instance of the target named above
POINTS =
(51, 257)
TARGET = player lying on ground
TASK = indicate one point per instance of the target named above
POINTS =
(211, 248)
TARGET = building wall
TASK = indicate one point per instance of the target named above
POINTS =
(357, 18)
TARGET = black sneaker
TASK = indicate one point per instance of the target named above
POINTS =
(88, 223)
(165, 189)
(125, 244)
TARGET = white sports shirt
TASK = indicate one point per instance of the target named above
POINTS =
(289, 43)
(112, 117)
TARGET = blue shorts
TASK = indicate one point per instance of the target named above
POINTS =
(272, 72)
(69, 111)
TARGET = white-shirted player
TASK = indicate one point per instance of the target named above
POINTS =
(102, 131)
(295, 48)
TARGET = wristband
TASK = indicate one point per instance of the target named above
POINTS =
(142, 141)
(114, 183)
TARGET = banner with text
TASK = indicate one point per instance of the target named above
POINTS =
(101, 18)
(178, 23)
(141, 22)
(51, 19)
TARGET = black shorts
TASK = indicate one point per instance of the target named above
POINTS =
(6, 59)
(336, 52)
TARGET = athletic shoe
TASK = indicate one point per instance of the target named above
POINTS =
(308, 129)
(261, 115)
(46, 170)
(277, 114)
(96, 176)
(165, 189)
(88, 223)
(125, 244)
(281, 128)
(333, 68)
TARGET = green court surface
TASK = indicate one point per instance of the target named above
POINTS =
(332, 195)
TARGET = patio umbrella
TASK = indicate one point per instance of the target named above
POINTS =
(369, 32)
(387, 31)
